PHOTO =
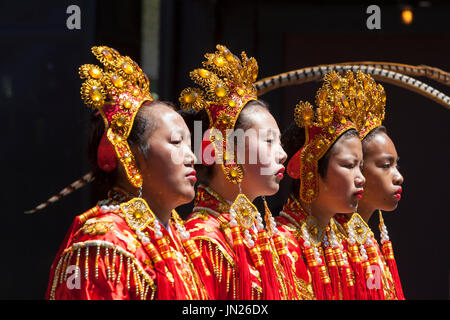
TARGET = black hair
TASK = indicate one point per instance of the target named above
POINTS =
(293, 138)
(205, 173)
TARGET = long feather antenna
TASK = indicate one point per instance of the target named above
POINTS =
(80, 183)
(316, 73)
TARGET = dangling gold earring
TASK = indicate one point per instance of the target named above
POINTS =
(243, 210)
(270, 220)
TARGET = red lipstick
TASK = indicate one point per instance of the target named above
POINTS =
(280, 173)
(359, 194)
(398, 193)
(191, 176)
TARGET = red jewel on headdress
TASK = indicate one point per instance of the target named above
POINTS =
(106, 157)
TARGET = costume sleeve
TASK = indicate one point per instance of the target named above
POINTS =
(100, 270)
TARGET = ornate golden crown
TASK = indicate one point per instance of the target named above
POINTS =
(226, 81)
(117, 91)
(343, 103)
(227, 84)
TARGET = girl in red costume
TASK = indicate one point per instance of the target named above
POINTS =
(132, 245)
(248, 260)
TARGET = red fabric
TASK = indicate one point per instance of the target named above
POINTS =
(267, 270)
(322, 290)
(392, 264)
(219, 242)
(106, 156)
(293, 167)
(104, 286)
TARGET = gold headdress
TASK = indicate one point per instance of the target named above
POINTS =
(117, 91)
(228, 84)
(342, 103)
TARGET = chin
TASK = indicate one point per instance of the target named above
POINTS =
(272, 189)
(391, 207)
(188, 194)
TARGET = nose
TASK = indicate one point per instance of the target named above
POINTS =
(282, 155)
(360, 180)
(189, 156)
(398, 178)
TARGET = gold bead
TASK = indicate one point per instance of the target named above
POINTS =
(307, 114)
(310, 193)
(191, 97)
(226, 119)
(343, 120)
(232, 103)
(310, 175)
(95, 72)
(383, 95)
(117, 81)
(332, 130)
(240, 91)
(234, 173)
(344, 101)
(320, 144)
(107, 54)
(127, 104)
(366, 84)
(322, 97)
(96, 94)
(204, 73)
(127, 68)
(120, 122)
(359, 89)
(219, 61)
(309, 157)
(335, 82)
(135, 92)
(228, 55)
(352, 84)
(138, 214)
(220, 91)
(358, 101)
(327, 115)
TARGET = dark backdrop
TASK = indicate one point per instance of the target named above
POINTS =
(46, 124)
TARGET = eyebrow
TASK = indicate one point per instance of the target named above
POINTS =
(390, 158)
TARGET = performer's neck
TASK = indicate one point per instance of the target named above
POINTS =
(365, 212)
(321, 213)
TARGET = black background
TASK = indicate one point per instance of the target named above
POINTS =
(45, 124)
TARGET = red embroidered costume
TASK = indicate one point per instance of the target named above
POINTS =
(119, 249)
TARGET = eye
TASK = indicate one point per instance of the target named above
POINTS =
(349, 165)
(386, 166)
(176, 141)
